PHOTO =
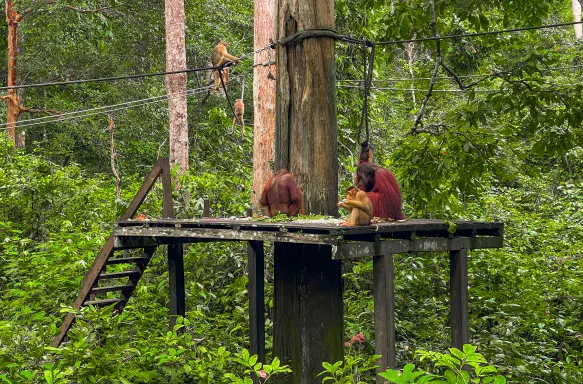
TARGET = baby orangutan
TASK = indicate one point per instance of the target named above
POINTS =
(359, 205)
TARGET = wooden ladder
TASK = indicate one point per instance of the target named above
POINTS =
(90, 287)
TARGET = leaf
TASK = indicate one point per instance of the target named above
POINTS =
(484, 22)
(49, 377)
(469, 349)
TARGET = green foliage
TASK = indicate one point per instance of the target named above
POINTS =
(457, 367)
(263, 372)
(507, 149)
(350, 370)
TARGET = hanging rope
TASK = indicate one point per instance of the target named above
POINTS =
(368, 74)
(226, 94)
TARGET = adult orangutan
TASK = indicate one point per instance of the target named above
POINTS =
(282, 194)
(380, 185)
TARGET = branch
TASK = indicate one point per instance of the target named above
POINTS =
(432, 129)
(160, 148)
(40, 110)
(98, 10)
(495, 74)
(418, 121)
(454, 75)
(86, 10)
(560, 299)
(520, 81)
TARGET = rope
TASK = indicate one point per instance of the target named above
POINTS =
(227, 95)
(130, 77)
(314, 32)
(365, 99)
(563, 88)
(368, 72)
(327, 32)
(408, 79)
(104, 79)
(99, 110)
(393, 42)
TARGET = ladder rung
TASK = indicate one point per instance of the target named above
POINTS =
(101, 303)
(115, 275)
(127, 260)
(112, 288)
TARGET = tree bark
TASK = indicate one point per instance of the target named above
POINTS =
(12, 19)
(263, 98)
(113, 156)
(576, 6)
(306, 133)
(307, 318)
(176, 83)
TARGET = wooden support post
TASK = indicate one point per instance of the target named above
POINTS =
(176, 282)
(308, 312)
(256, 289)
(458, 280)
(384, 312)
(167, 202)
(206, 209)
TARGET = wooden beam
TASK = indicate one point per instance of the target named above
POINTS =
(177, 292)
(458, 280)
(256, 289)
(363, 249)
(384, 313)
(144, 189)
(135, 242)
(188, 235)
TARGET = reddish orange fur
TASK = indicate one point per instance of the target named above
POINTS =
(282, 194)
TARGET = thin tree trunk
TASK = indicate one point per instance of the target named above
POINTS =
(176, 84)
(576, 6)
(12, 19)
(410, 47)
(263, 98)
(114, 156)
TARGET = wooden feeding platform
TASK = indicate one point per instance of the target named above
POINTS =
(308, 305)
(308, 287)
(413, 235)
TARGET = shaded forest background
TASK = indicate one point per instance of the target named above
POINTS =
(509, 148)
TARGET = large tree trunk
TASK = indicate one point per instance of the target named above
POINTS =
(176, 84)
(576, 6)
(308, 309)
(263, 99)
(12, 19)
(306, 136)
